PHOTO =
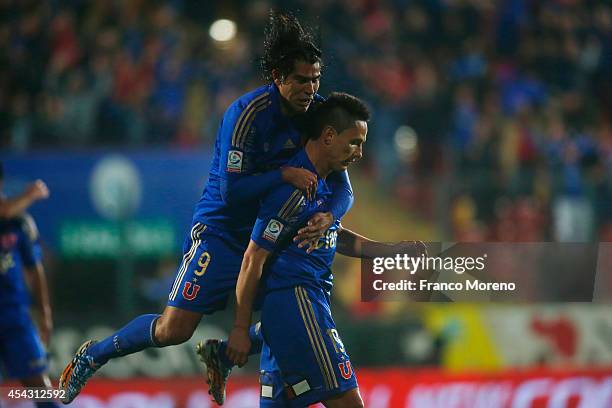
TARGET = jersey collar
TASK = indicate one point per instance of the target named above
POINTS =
(304, 160)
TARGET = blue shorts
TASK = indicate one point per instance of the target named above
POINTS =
(303, 360)
(209, 270)
(22, 354)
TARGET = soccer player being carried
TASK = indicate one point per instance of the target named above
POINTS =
(22, 283)
(309, 363)
(257, 136)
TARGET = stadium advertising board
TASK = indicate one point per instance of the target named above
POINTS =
(388, 388)
(99, 196)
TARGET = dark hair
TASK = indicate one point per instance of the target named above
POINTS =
(340, 110)
(1, 171)
(285, 43)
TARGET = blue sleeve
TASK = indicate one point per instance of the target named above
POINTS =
(277, 219)
(29, 247)
(249, 187)
(240, 144)
(342, 194)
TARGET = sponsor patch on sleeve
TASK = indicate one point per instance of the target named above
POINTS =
(234, 161)
(273, 230)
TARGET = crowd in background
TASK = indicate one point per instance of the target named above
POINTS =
(499, 111)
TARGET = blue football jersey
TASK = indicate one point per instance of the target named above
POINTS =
(283, 211)
(19, 248)
(254, 137)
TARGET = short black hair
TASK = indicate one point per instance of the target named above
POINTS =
(285, 43)
(340, 110)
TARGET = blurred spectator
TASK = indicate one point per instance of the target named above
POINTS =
(80, 103)
(506, 100)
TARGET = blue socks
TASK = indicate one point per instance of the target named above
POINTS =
(138, 335)
(256, 344)
(135, 336)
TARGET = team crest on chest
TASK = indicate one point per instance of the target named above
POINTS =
(289, 144)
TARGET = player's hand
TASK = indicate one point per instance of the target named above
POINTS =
(37, 190)
(314, 230)
(414, 249)
(411, 248)
(302, 179)
(238, 346)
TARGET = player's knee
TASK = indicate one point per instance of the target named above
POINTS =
(353, 401)
(172, 332)
(40, 380)
(350, 399)
(358, 404)
(175, 326)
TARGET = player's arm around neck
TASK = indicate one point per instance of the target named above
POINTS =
(246, 289)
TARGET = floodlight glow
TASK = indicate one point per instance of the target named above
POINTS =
(222, 30)
(405, 139)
